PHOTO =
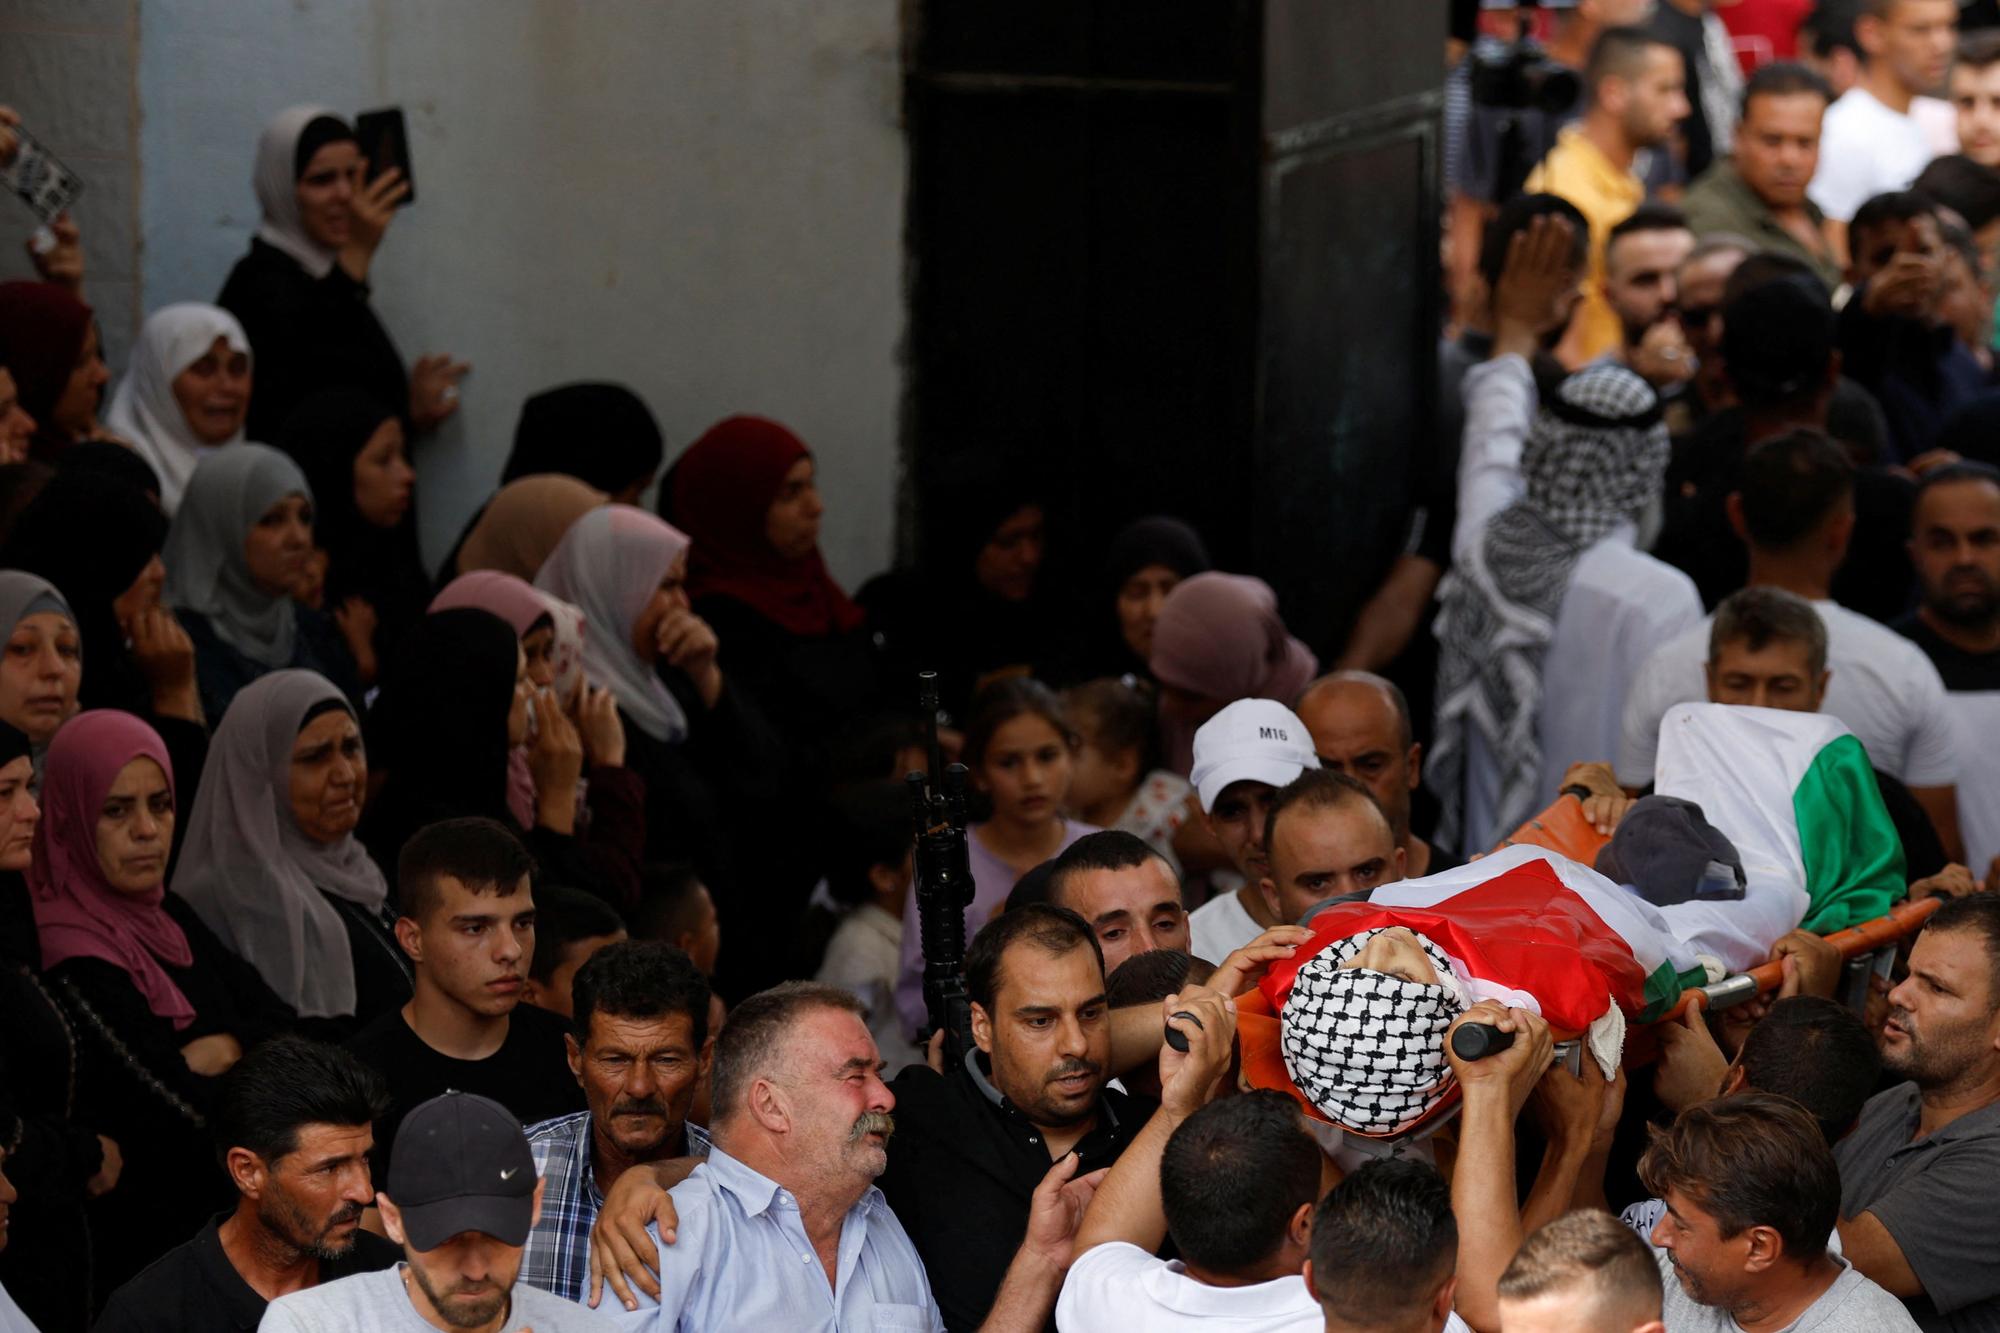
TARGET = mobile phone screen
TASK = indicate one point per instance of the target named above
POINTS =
(385, 141)
(39, 180)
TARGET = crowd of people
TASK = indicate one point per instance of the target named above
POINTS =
(536, 941)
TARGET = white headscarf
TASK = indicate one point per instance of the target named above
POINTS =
(144, 409)
(609, 564)
(248, 871)
(207, 572)
(277, 184)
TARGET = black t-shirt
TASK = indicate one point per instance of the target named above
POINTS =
(963, 1165)
(1963, 672)
(529, 1074)
(194, 1286)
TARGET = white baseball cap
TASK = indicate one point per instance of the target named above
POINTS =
(1252, 740)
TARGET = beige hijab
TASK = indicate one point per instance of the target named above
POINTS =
(524, 521)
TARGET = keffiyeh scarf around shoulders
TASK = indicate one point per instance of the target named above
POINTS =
(1594, 459)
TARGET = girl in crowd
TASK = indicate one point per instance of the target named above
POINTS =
(1147, 560)
(158, 1007)
(1218, 639)
(235, 552)
(352, 450)
(1115, 784)
(272, 864)
(55, 1161)
(187, 393)
(746, 496)
(602, 434)
(302, 290)
(49, 343)
(709, 762)
(985, 614)
(611, 810)
(1021, 751)
(520, 525)
(456, 701)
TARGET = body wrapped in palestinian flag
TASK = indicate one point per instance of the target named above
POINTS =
(1796, 795)
(1523, 926)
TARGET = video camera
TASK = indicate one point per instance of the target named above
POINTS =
(1520, 76)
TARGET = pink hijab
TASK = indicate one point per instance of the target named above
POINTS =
(1220, 638)
(521, 605)
(77, 912)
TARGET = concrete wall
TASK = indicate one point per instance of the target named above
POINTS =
(701, 198)
(70, 68)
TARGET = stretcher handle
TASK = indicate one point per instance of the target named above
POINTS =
(1476, 1041)
(1903, 921)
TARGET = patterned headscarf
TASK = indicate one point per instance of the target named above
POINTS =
(1595, 458)
(1365, 1047)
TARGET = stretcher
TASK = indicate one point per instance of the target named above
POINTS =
(1868, 949)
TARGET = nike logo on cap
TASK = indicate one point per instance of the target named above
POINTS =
(508, 1174)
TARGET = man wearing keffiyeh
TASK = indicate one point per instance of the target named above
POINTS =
(1550, 499)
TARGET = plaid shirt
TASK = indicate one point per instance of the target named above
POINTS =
(557, 1258)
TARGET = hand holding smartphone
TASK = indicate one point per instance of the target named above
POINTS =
(385, 141)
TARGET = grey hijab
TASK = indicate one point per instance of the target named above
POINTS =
(206, 572)
(22, 595)
(247, 870)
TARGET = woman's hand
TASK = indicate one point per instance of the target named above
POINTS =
(372, 209)
(687, 644)
(602, 729)
(61, 263)
(556, 760)
(434, 389)
(165, 656)
(212, 1055)
(357, 621)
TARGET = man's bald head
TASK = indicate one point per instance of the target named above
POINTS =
(1360, 726)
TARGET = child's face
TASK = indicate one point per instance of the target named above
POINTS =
(1098, 778)
(1026, 769)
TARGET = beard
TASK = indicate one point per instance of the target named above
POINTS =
(282, 1216)
(1934, 1060)
(1968, 608)
(474, 1313)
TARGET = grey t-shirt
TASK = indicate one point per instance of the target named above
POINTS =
(377, 1303)
(1933, 1196)
(1852, 1304)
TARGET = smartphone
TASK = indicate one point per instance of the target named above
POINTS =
(39, 180)
(385, 141)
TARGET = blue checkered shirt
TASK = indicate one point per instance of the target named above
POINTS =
(557, 1258)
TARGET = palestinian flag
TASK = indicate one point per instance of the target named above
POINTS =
(1797, 796)
(1524, 926)
(1528, 928)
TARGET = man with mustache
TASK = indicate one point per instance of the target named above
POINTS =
(294, 1129)
(1751, 1195)
(460, 1208)
(782, 1226)
(1955, 547)
(1923, 1149)
(640, 1050)
(468, 929)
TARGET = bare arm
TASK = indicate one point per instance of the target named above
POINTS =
(1870, 1248)
(1389, 619)
(1128, 1207)
(1482, 1182)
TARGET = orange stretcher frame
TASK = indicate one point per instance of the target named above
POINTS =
(1562, 829)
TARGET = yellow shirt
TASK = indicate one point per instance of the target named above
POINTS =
(1577, 170)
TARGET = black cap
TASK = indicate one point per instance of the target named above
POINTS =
(1667, 850)
(462, 1164)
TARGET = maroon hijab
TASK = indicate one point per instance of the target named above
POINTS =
(42, 328)
(719, 493)
(77, 912)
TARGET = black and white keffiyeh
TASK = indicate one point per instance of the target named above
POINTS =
(1367, 1048)
(1594, 459)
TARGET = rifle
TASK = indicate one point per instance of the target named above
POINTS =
(943, 886)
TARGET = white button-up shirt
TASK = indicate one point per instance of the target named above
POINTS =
(742, 1260)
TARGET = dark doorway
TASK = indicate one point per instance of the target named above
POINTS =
(1181, 256)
